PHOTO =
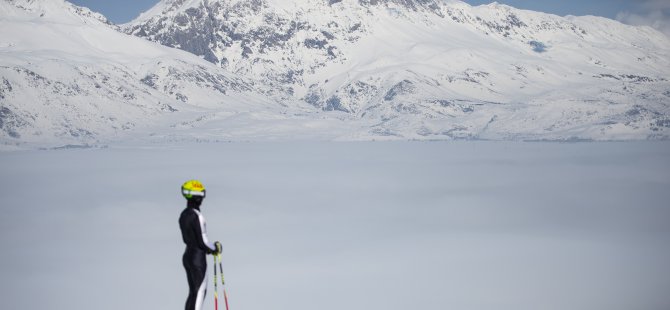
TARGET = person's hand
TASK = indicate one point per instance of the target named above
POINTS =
(218, 248)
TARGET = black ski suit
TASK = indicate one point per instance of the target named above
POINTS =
(194, 234)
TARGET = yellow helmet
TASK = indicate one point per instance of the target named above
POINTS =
(193, 188)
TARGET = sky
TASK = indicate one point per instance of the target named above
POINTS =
(655, 13)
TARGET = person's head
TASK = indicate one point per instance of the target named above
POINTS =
(194, 192)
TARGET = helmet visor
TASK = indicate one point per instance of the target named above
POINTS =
(189, 193)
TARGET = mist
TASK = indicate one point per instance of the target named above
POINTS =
(355, 225)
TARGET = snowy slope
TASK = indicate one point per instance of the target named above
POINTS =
(435, 69)
(325, 70)
(68, 76)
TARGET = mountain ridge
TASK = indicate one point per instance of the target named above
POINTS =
(327, 70)
(69, 77)
(311, 52)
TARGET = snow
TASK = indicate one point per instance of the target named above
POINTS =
(69, 77)
(66, 33)
(343, 225)
(337, 225)
(164, 6)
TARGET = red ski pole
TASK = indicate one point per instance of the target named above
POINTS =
(223, 281)
(216, 289)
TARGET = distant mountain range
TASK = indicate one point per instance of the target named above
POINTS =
(319, 69)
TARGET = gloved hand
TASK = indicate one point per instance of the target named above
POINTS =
(218, 248)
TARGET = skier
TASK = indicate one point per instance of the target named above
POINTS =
(193, 232)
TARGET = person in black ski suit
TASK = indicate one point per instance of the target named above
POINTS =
(193, 232)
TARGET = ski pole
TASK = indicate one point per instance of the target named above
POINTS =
(216, 289)
(223, 281)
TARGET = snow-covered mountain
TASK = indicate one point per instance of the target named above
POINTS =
(435, 69)
(318, 69)
(67, 76)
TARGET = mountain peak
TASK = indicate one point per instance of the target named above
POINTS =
(66, 78)
(394, 60)
(57, 10)
(387, 69)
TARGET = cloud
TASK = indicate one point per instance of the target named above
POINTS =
(655, 4)
(653, 13)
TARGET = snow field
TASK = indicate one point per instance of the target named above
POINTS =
(306, 225)
(326, 71)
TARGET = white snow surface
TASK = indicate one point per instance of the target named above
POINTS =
(319, 70)
(69, 78)
(476, 225)
(438, 70)
(343, 225)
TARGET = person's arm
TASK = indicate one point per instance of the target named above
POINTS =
(201, 234)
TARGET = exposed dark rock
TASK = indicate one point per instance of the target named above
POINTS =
(5, 88)
(10, 122)
(538, 46)
(334, 104)
(403, 87)
(150, 80)
(315, 43)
